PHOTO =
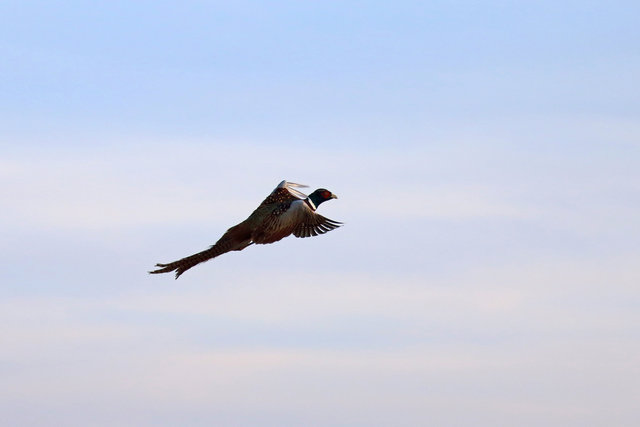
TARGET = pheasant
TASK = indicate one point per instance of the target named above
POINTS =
(285, 211)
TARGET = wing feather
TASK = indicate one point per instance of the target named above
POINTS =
(314, 224)
(285, 192)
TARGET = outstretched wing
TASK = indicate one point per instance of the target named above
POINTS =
(284, 192)
(314, 224)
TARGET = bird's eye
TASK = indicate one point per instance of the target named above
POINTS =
(326, 194)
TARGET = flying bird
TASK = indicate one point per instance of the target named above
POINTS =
(285, 211)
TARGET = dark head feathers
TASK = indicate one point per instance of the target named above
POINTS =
(321, 195)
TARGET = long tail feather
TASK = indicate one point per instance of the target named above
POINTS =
(228, 242)
(184, 264)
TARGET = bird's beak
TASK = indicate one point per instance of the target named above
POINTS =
(333, 196)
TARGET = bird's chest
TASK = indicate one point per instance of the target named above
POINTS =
(287, 215)
(280, 222)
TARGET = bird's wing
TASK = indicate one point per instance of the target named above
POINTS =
(278, 220)
(285, 192)
(313, 224)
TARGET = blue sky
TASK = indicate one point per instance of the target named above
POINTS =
(486, 159)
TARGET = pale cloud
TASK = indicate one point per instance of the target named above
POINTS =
(415, 350)
(536, 298)
(145, 186)
(159, 183)
(74, 193)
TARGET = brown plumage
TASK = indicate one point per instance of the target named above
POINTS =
(285, 211)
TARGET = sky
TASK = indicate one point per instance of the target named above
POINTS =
(486, 156)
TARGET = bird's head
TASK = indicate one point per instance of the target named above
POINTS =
(321, 195)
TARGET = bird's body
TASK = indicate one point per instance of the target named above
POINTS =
(284, 212)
